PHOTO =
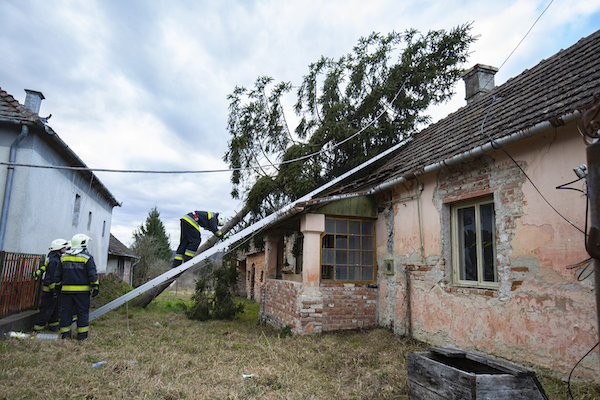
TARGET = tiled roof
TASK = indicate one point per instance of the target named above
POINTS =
(552, 89)
(12, 112)
(115, 247)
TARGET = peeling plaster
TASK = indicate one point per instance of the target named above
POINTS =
(390, 228)
(536, 313)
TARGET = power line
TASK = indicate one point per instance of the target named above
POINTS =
(495, 146)
(493, 143)
(205, 171)
(526, 34)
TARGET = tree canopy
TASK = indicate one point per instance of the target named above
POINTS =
(151, 244)
(349, 109)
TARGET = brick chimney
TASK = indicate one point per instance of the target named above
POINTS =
(478, 80)
(33, 100)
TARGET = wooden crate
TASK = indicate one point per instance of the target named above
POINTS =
(448, 373)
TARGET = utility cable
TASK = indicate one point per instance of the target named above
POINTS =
(496, 146)
(526, 34)
(571, 373)
(140, 171)
(259, 166)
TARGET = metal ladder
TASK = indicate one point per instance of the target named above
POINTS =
(284, 212)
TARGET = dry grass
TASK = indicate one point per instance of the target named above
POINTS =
(171, 357)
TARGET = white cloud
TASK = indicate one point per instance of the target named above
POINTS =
(143, 85)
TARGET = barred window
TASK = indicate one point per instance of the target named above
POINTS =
(348, 250)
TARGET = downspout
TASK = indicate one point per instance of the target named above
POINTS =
(9, 182)
(421, 248)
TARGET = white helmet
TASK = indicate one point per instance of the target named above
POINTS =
(221, 220)
(80, 241)
(58, 244)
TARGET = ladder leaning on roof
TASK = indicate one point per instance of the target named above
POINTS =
(284, 212)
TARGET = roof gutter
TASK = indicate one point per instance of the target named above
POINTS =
(9, 182)
(469, 154)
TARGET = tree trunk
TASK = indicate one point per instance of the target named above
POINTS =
(146, 298)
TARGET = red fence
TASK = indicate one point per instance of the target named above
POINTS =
(18, 289)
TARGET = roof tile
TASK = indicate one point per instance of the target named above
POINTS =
(556, 87)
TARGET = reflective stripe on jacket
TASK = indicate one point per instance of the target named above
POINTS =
(77, 271)
(203, 219)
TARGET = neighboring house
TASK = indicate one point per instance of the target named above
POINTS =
(120, 259)
(39, 204)
(448, 241)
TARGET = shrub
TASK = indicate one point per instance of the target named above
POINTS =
(111, 287)
(213, 298)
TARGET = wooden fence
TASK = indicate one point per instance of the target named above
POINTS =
(19, 290)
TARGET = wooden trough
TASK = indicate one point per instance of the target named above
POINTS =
(448, 373)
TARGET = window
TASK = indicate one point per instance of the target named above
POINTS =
(348, 250)
(103, 228)
(76, 209)
(89, 225)
(474, 243)
(120, 268)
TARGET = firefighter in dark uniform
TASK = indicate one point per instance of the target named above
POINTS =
(49, 303)
(77, 278)
(190, 238)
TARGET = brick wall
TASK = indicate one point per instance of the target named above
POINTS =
(279, 302)
(348, 306)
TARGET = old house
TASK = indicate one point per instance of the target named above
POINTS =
(42, 204)
(462, 237)
(120, 260)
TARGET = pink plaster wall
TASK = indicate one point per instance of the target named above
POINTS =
(540, 313)
(258, 260)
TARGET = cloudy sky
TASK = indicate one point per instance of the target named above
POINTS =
(143, 84)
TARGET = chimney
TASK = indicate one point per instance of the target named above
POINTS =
(33, 100)
(478, 80)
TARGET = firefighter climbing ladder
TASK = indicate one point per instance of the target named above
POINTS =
(286, 211)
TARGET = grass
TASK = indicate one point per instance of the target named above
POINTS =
(168, 356)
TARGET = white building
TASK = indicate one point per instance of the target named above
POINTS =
(42, 204)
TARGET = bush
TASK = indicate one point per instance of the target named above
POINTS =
(217, 303)
(111, 287)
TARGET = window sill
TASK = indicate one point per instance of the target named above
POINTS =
(470, 290)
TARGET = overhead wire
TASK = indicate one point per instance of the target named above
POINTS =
(571, 373)
(256, 167)
(142, 171)
(496, 146)
(586, 262)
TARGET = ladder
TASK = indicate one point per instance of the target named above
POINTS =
(272, 219)
(175, 272)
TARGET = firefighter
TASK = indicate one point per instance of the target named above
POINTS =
(77, 278)
(49, 304)
(190, 238)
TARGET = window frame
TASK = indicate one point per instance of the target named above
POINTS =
(479, 283)
(335, 249)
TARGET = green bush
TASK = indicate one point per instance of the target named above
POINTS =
(217, 303)
(111, 287)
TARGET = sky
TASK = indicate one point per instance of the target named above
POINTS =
(143, 85)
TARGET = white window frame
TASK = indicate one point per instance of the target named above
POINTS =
(456, 250)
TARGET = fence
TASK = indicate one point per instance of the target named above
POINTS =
(18, 289)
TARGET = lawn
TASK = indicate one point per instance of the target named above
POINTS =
(160, 354)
